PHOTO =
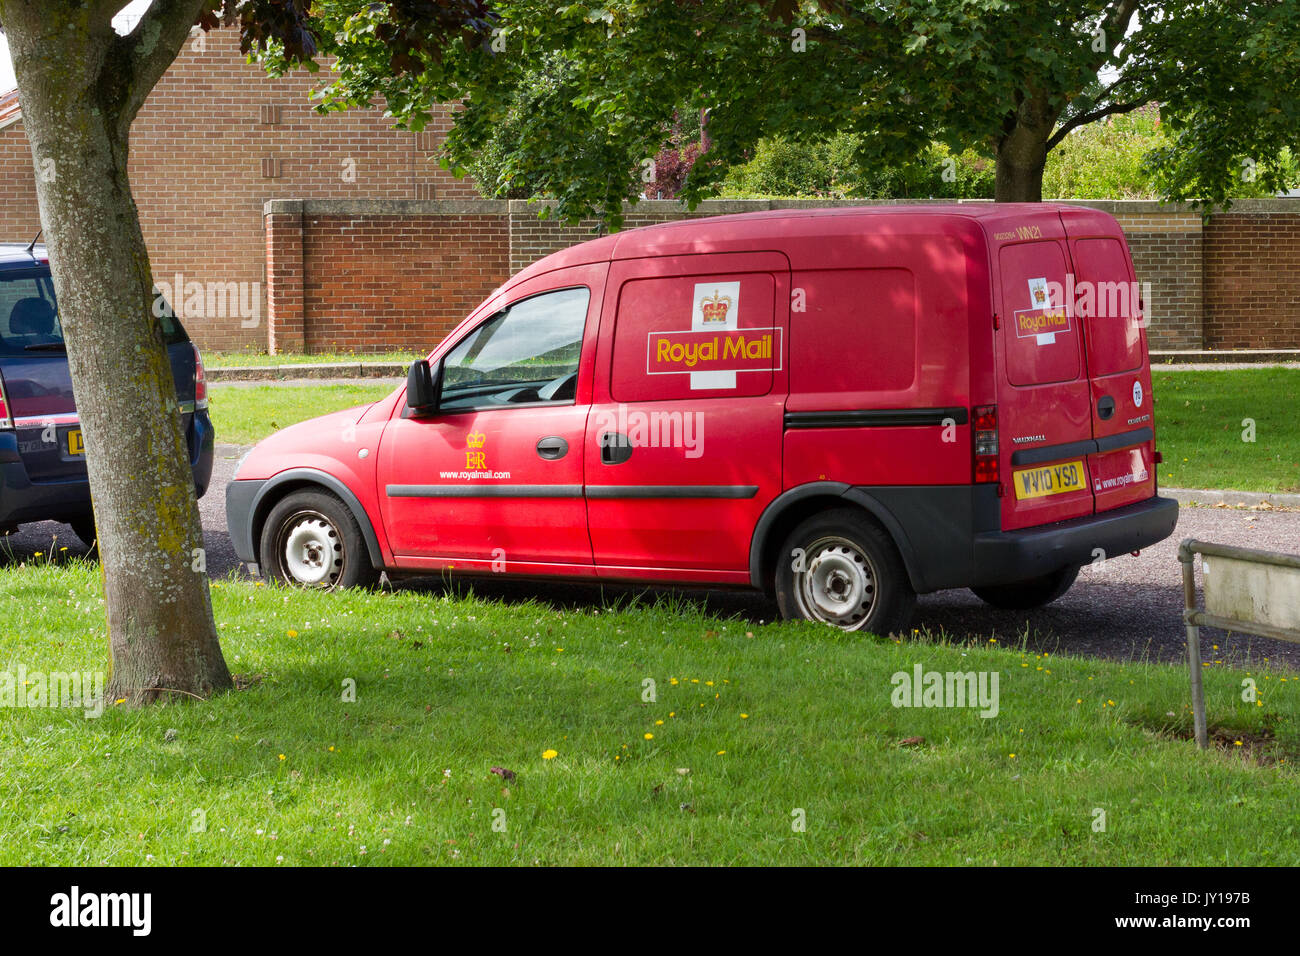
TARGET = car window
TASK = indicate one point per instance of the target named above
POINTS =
(29, 314)
(525, 354)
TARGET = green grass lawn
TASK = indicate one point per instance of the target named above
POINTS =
(245, 358)
(1198, 422)
(244, 415)
(1199, 428)
(748, 726)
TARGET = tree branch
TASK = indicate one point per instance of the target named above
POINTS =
(1084, 118)
(147, 51)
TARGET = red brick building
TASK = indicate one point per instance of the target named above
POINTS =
(215, 141)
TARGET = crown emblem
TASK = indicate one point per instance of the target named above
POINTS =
(715, 307)
(475, 440)
(1040, 296)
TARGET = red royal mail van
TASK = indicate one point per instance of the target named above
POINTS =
(842, 407)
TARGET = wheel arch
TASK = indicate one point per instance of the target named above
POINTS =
(284, 484)
(791, 507)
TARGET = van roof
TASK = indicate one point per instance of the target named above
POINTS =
(755, 230)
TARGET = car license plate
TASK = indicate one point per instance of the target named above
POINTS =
(1051, 480)
(75, 446)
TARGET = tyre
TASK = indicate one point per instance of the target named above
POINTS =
(1036, 592)
(842, 569)
(84, 528)
(311, 539)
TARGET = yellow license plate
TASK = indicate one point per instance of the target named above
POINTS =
(75, 445)
(1050, 480)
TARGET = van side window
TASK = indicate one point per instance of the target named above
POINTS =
(524, 355)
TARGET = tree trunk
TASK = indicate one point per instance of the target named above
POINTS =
(1022, 152)
(76, 89)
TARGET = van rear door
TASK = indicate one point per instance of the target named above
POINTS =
(1044, 415)
(1109, 308)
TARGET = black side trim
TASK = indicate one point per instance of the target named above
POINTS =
(1138, 436)
(876, 418)
(484, 491)
(1091, 446)
(1071, 449)
(671, 491)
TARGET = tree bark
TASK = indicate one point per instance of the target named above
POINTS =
(1022, 151)
(80, 85)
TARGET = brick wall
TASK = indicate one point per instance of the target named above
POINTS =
(1252, 276)
(215, 141)
(1167, 248)
(380, 276)
(18, 210)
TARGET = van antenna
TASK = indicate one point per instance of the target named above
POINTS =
(34, 241)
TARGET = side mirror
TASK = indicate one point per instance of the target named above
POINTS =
(422, 386)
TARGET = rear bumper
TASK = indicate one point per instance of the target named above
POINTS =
(1007, 556)
(23, 500)
(949, 536)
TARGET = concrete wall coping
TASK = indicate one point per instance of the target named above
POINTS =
(719, 207)
(385, 207)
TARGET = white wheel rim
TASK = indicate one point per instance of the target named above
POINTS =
(837, 585)
(312, 551)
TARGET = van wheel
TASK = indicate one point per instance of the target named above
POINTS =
(311, 539)
(1036, 592)
(842, 569)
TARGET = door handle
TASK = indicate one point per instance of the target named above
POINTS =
(615, 448)
(552, 448)
(1105, 407)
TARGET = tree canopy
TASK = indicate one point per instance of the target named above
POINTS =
(1010, 78)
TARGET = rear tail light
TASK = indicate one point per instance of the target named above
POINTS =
(200, 381)
(985, 443)
(6, 419)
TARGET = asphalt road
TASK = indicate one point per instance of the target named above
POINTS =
(1129, 608)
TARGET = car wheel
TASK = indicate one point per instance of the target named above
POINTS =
(311, 539)
(84, 528)
(1036, 592)
(842, 569)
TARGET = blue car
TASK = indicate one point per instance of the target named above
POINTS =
(42, 457)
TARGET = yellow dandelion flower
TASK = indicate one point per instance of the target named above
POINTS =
(549, 754)
(649, 736)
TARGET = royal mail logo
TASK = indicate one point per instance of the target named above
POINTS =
(476, 439)
(1034, 322)
(714, 308)
(723, 350)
